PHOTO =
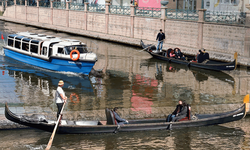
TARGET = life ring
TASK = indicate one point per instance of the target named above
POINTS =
(78, 55)
(71, 98)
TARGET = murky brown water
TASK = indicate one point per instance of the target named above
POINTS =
(141, 86)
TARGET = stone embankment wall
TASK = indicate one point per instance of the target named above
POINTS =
(220, 40)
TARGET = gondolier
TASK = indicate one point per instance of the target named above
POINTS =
(60, 97)
(160, 37)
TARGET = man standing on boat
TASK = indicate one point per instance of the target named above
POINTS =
(160, 37)
(60, 97)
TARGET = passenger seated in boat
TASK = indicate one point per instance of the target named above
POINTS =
(178, 54)
(202, 56)
(176, 111)
(183, 112)
(119, 120)
(171, 53)
(168, 52)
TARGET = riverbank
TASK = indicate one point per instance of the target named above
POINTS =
(125, 40)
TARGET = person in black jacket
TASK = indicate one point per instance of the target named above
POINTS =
(176, 111)
(119, 120)
(178, 54)
(182, 114)
(160, 37)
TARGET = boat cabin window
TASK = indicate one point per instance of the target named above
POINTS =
(25, 44)
(11, 39)
(80, 48)
(17, 44)
(34, 46)
(10, 42)
(60, 50)
(44, 51)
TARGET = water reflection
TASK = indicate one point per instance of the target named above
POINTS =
(212, 137)
(192, 84)
(33, 84)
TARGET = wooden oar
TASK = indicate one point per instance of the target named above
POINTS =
(146, 48)
(54, 131)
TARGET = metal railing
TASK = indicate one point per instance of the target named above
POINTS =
(31, 3)
(121, 10)
(44, 3)
(232, 17)
(76, 6)
(20, 2)
(148, 12)
(182, 14)
(10, 3)
(59, 5)
(225, 17)
(96, 8)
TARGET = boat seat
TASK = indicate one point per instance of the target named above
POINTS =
(114, 116)
(188, 117)
(87, 123)
(70, 122)
(110, 117)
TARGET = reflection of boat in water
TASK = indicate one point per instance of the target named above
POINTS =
(48, 52)
(199, 74)
(49, 79)
(81, 127)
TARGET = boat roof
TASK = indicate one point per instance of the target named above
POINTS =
(48, 38)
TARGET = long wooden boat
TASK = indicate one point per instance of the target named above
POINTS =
(83, 127)
(210, 65)
(48, 52)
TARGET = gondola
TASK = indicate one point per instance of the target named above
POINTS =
(87, 127)
(206, 64)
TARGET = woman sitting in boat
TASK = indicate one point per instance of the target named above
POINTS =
(176, 111)
(119, 120)
(171, 52)
(182, 114)
(178, 54)
(202, 56)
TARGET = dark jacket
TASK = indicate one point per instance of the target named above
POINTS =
(177, 109)
(181, 114)
(178, 54)
(118, 118)
(160, 36)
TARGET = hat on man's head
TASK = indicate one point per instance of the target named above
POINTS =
(60, 82)
(160, 29)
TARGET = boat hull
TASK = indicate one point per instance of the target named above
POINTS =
(55, 64)
(213, 66)
(134, 125)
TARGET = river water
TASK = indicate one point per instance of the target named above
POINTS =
(140, 86)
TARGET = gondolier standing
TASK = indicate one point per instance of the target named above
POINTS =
(160, 37)
(60, 97)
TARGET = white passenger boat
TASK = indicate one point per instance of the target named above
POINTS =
(53, 53)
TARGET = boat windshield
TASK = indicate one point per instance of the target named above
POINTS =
(80, 48)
